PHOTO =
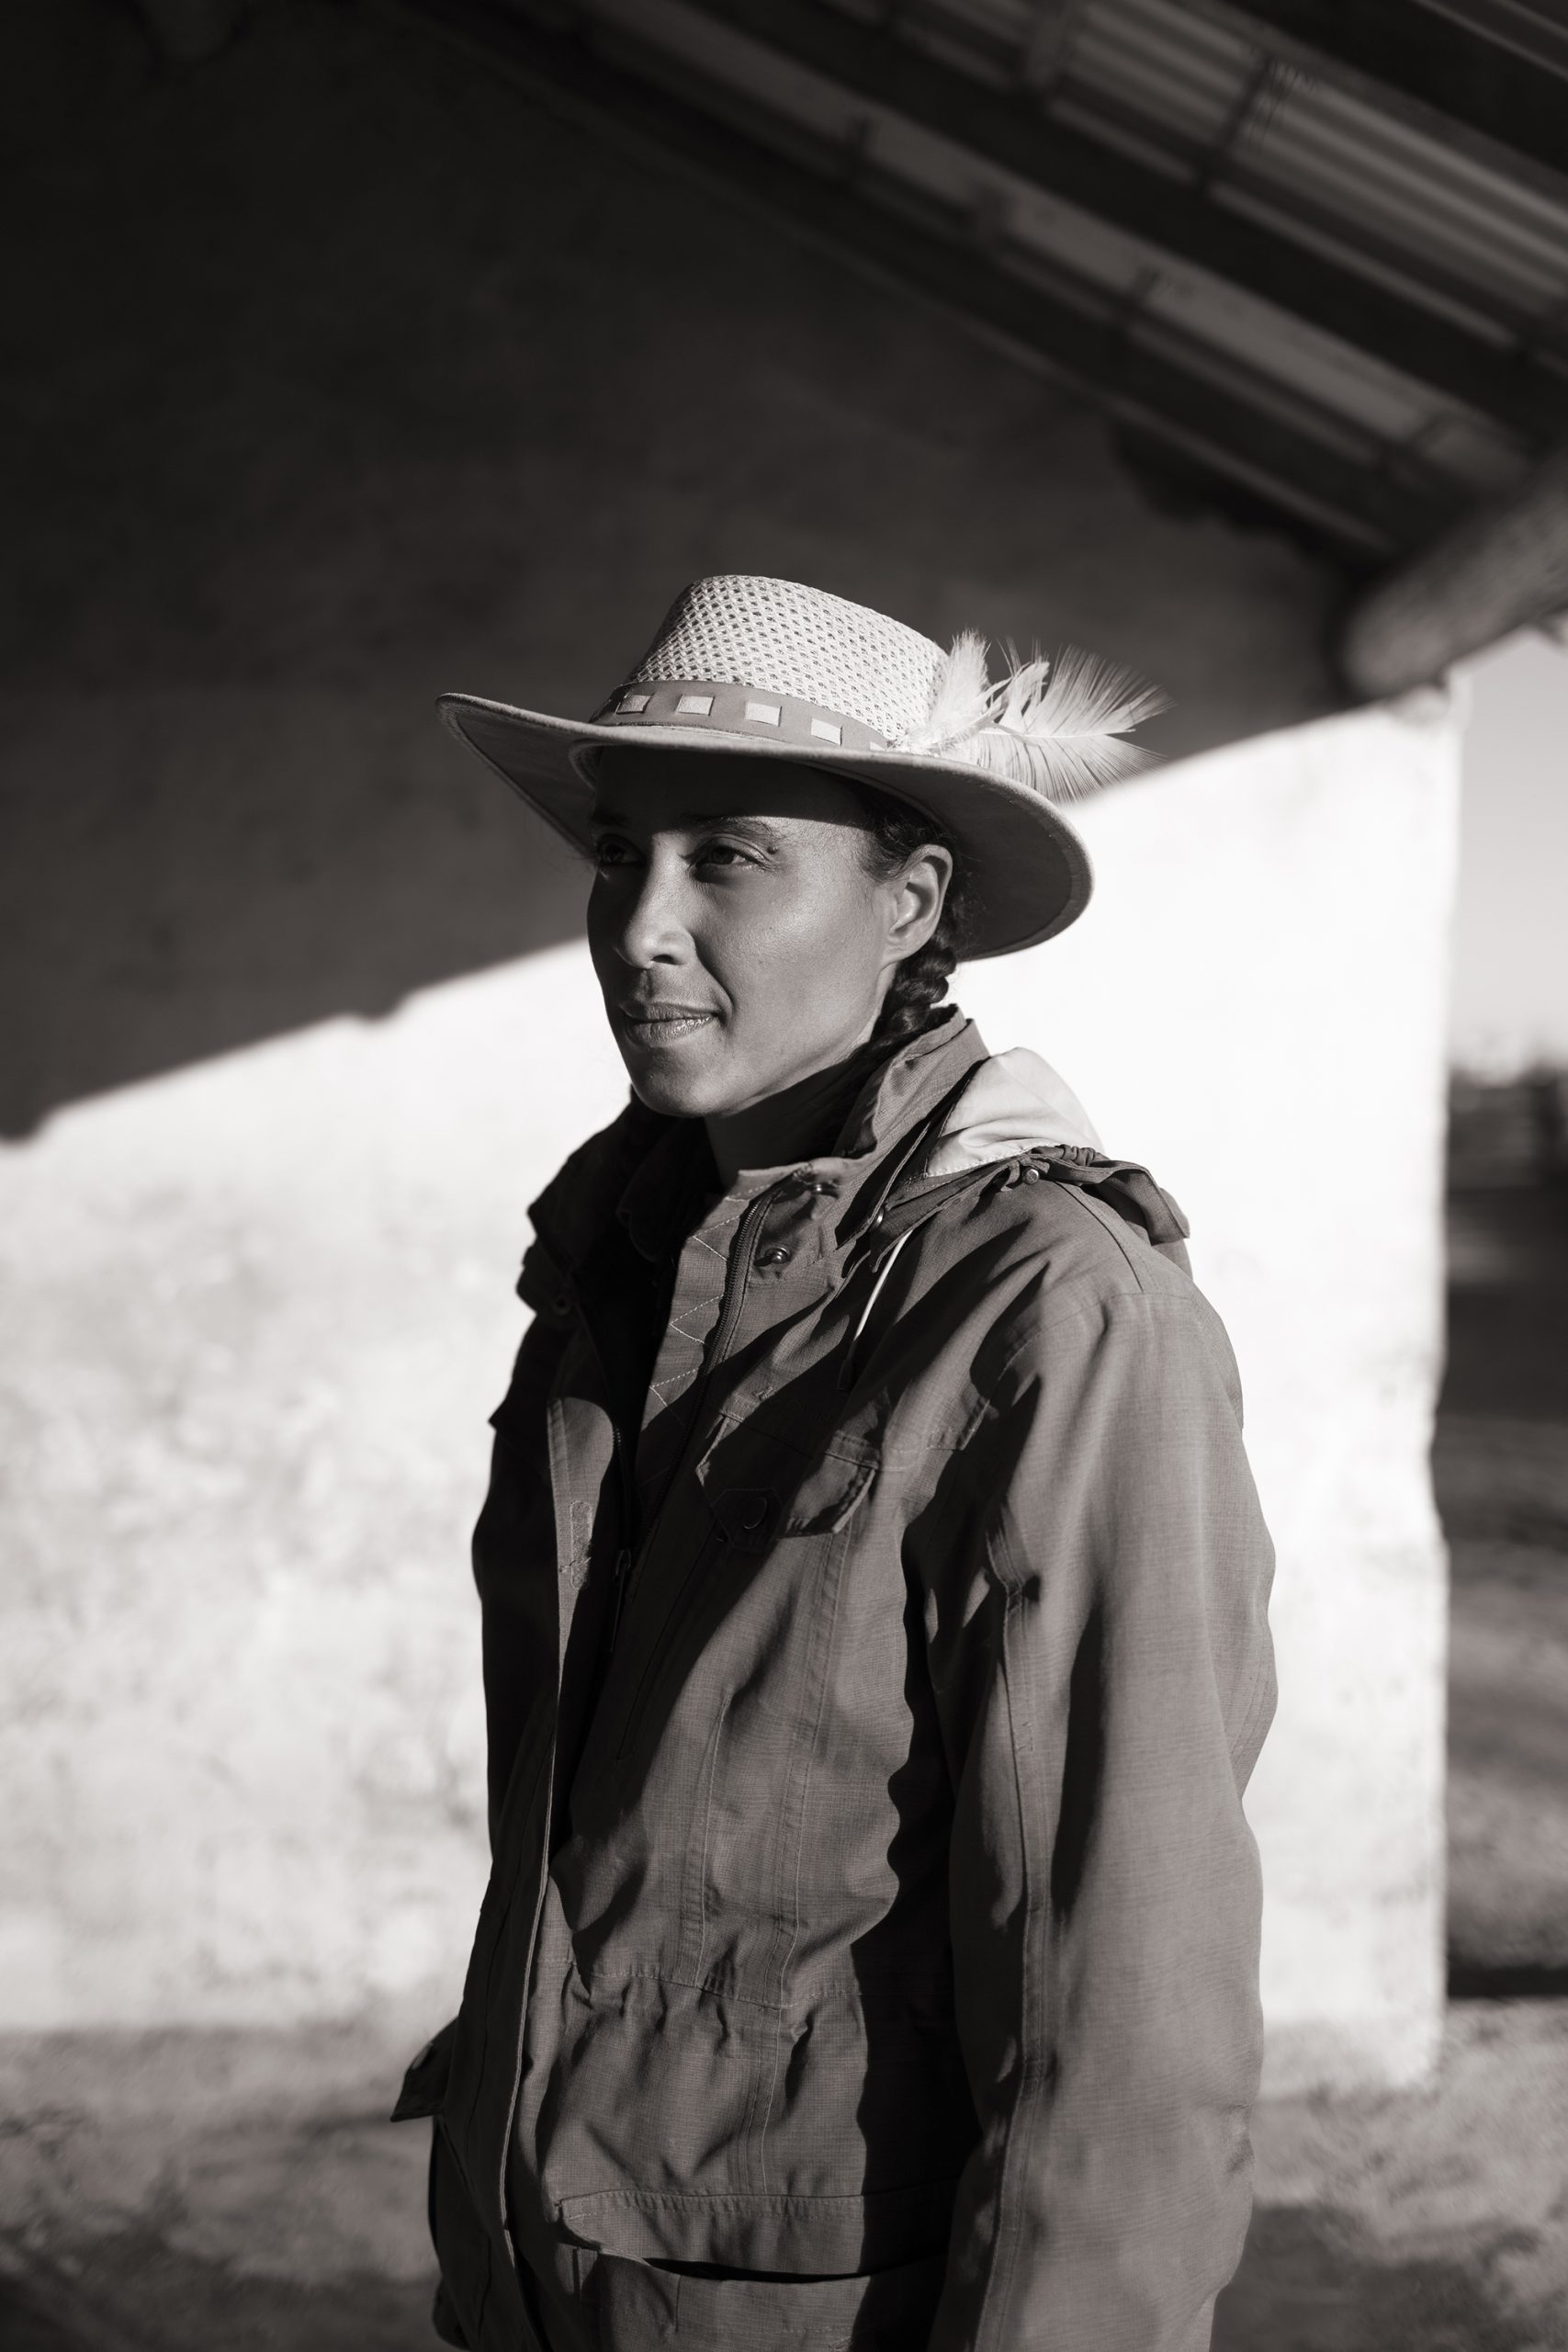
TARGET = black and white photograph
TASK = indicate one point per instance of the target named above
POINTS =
(783, 1176)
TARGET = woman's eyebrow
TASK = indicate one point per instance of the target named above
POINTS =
(755, 825)
(612, 819)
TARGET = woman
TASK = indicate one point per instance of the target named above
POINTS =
(873, 1584)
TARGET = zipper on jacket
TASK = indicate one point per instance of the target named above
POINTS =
(623, 1570)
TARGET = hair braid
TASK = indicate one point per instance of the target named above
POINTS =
(894, 832)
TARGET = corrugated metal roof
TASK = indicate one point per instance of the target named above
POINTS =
(1441, 210)
(1186, 82)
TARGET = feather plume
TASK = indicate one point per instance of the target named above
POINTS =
(960, 698)
(1061, 728)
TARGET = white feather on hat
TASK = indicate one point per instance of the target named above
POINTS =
(1060, 727)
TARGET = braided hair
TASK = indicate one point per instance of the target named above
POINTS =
(894, 832)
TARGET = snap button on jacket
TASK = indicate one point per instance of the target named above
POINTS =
(870, 1953)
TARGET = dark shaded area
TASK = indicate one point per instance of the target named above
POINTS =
(1468, 1981)
(1500, 1465)
(1307, 2284)
(335, 373)
(1507, 1295)
(1083, 1765)
(27, 2326)
(136, 2293)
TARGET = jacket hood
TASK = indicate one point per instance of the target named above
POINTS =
(1014, 1103)
(1013, 1107)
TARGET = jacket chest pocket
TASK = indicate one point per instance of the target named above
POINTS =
(760, 1486)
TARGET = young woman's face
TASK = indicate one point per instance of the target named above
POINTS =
(739, 938)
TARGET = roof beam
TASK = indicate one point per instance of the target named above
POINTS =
(1360, 508)
(1006, 132)
(1499, 568)
(1426, 69)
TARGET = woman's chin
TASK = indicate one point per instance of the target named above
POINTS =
(671, 1070)
(659, 1094)
(675, 1094)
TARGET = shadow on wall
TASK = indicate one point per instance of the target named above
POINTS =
(375, 379)
(228, 866)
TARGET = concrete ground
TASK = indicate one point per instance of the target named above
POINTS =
(219, 2196)
(209, 2194)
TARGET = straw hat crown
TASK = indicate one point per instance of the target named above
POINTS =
(776, 637)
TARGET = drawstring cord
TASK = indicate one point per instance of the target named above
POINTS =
(883, 1265)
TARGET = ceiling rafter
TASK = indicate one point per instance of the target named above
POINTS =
(1364, 506)
(1007, 131)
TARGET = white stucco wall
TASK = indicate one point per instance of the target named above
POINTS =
(258, 1312)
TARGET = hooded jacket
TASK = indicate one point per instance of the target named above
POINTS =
(870, 1953)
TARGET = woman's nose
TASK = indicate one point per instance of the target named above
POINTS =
(650, 930)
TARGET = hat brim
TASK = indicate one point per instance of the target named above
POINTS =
(1029, 873)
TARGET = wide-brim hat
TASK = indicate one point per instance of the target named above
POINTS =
(775, 671)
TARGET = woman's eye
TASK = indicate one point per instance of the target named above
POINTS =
(609, 852)
(722, 854)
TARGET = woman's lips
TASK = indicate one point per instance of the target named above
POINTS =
(664, 1024)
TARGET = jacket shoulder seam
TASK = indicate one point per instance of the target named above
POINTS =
(1117, 1228)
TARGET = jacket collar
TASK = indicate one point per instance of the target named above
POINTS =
(640, 1168)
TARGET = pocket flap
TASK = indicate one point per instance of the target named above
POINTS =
(760, 1485)
(749, 2230)
(424, 2085)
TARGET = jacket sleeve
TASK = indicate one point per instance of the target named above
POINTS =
(1099, 1650)
(513, 1541)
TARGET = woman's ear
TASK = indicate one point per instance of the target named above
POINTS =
(919, 893)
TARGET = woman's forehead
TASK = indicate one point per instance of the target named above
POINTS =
(671, 789)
